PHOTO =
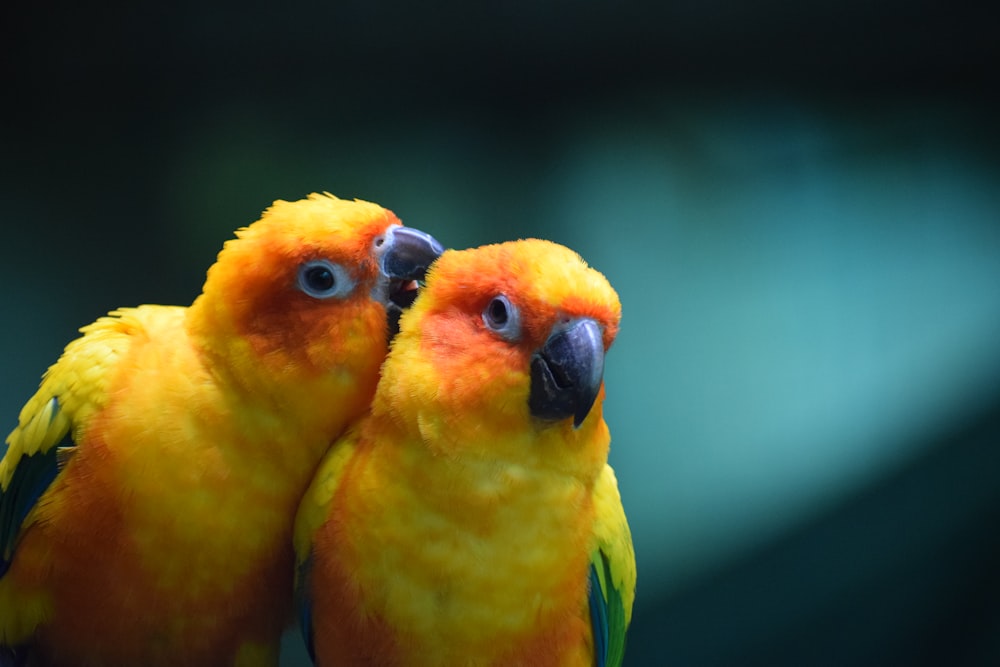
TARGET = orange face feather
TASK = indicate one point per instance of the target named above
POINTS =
(466, 368)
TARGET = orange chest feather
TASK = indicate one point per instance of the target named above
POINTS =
(401, 580)
(124, 578)
(160, 533)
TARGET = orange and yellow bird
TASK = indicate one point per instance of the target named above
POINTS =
(471, 518)
(148, 493)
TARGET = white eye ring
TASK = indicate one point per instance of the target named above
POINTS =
(323, 279)
(503, 317)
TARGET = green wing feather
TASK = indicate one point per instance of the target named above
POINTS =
(71, 390)
(613, 574)
(23, 482)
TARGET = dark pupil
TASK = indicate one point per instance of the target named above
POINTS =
(320, 278)
(498, 312)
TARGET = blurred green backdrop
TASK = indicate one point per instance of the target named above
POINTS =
(800, 206)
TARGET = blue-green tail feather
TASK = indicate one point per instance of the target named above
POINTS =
(607, 616)
(598, 619)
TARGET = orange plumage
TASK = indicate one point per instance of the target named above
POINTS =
(467, 519)
(188, 436)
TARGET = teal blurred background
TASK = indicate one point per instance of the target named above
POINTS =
(799, 205)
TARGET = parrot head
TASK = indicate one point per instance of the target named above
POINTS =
(507, 339)
(308, 296)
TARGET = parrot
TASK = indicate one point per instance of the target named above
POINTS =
(470, 517)
(149, 490)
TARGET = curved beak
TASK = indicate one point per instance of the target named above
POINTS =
(567, 371)
(407, 253)
(404, 255)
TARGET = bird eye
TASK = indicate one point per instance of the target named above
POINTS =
(322, 279)
(502, 316)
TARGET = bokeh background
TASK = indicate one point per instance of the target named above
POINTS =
(798, 202)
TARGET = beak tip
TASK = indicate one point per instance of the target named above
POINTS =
(585, 404)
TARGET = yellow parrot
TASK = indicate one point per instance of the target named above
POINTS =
(148, 492)
(471, 517)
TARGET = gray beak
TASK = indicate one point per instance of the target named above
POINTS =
(566, 372)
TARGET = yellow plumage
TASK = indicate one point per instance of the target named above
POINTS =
(164, 535)
(458, 522)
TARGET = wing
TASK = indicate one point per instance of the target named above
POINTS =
(312, 514)
(71, 391)
(28, 468)
(612, 574)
